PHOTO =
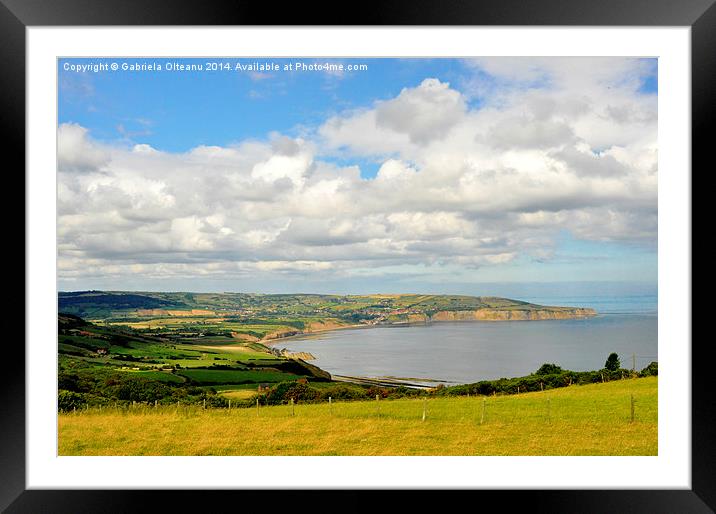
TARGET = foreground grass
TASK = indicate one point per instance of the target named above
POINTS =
(578, 420)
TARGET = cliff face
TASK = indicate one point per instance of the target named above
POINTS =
(320, 326)
(483, 314)
(513, 315)
(280, 334)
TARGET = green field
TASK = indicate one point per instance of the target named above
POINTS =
(590, 419)
(210, 376)
(160, 376)
(103, 365)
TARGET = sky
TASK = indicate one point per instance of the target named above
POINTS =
(404, 175)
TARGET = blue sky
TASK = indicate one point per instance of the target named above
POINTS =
(583, 125)
(175, 111)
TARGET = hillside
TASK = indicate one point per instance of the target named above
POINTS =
(228, 317)
(102, 363)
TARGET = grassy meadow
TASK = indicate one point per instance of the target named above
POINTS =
(592, 419)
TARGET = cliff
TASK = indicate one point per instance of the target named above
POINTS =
(514, 315)
(487, 314)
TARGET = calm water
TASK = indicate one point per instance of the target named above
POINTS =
(465, 352)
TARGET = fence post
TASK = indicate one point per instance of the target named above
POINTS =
(293, 410)
(482, 416)
(377, 404)
(330, 405)
(425, 407)
(257, 406)
(632, 407)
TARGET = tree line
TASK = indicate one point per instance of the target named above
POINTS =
(79, 388)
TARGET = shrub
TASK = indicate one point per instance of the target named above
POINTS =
(68, 381)
(285, 391)
(215, 400)
(402, 392)
(140, 390)
(69, 400)
(652, 370)
(374, 391)
(342, 392)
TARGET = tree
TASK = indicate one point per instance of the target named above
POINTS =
(612, 363)
(549, 369)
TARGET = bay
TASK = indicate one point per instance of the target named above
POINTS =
(470, 351)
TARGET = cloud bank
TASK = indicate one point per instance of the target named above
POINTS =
(474, 174)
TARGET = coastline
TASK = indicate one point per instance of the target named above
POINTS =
(443, 350)
(270, 342)
(583, 313)
(414, 383)
(411, 383)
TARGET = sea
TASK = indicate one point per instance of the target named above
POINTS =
(470, 351)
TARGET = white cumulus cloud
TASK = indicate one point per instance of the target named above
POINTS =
(561, 145)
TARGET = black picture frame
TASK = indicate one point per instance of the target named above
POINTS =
(17, 15)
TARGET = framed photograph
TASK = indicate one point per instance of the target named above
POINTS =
(437, 249)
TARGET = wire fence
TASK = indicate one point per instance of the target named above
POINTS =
(543, 407)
